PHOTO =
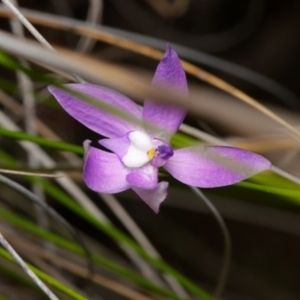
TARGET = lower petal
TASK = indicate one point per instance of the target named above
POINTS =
(214, 166)
(104, 172)
(145, 177)
(153, 198)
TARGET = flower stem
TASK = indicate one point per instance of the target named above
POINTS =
(227, 243)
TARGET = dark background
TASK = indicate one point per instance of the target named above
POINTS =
(260, 35)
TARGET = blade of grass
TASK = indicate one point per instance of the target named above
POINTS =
(20, 135)
(29, 195)
(13, 256)
(70, 246)
(14, 273)
(48, 279)
(77, 270)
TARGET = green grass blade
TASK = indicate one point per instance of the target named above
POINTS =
(19, 135)
(74, 248)
(48, 279)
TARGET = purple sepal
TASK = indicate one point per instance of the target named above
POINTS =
(99, 120)
(214, 166)
(169, 74)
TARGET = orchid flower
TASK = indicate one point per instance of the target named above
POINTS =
(138, 149)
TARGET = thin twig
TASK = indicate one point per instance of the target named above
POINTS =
(33, 31)
(227, 243)
(17, 172)
(26, 269)
(27, 24)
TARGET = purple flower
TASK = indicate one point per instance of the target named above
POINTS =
(138, 149)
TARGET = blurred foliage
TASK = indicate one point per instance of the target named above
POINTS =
(262, 213)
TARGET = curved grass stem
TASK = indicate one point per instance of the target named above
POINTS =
(227, 243)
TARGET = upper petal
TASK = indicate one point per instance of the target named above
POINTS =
(169, 74)
(101, 121)
(153, 198)
(214, 166)
(104, 172)
(145, 177)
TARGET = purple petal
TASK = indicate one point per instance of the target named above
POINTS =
(104, 172)
(118, 145)
(214, 166)
(98, 120)
(169, 74)
(145, 177)
(153, 198)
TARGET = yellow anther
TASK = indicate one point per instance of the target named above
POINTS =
(151, 153)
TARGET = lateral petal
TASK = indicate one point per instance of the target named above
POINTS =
(104, 172)
(214, 166)
(101, 121)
